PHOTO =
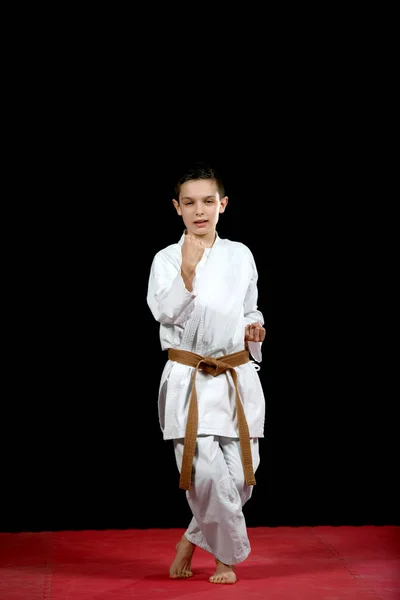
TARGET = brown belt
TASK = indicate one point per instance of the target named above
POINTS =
(214, 367)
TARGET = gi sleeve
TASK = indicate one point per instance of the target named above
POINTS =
(251, 312)
(167, 297)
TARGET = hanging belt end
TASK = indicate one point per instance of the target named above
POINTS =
(184, 483)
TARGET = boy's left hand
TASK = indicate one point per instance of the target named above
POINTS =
(254, 332)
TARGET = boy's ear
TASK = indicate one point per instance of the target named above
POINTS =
(177, 207)
(223, 203)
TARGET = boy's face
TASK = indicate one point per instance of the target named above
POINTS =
(200, 206)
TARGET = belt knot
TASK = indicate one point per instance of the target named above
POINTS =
(213, 366)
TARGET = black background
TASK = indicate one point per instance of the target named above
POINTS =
(82, 447)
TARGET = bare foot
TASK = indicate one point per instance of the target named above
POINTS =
(181, 568)
(223, 573)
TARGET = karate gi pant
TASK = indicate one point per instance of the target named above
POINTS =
(217, 495)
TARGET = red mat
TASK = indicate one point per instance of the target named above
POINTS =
(310, 563)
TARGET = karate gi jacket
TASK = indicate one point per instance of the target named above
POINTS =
(209, 321)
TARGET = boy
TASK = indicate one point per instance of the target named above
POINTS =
(203, 292)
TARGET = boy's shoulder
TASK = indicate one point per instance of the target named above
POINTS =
(239, 247)
(168, 253)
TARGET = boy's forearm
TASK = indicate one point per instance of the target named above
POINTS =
(188, 276)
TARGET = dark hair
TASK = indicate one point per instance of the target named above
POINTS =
(200, 170)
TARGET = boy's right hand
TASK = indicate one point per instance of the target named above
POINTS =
(192, 252)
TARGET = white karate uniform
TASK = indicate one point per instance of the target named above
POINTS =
(210, 321)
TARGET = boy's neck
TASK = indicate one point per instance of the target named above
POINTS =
(208, 240)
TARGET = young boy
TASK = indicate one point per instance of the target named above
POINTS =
(203, 292)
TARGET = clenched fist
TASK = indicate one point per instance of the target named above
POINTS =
(192, 252)
(254, 332)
